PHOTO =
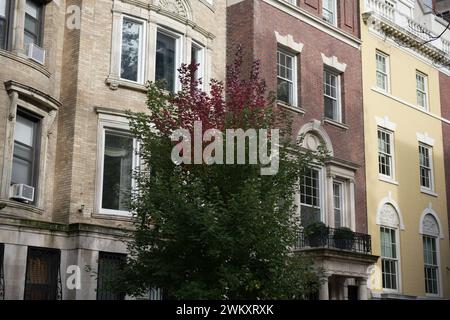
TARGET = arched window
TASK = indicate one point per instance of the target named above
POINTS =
(389, 220)
(429, 228)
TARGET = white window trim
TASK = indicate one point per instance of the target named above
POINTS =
(179, 52)
(381, 176)
(142, 46)
(438, 261)
(387, 73)
(334, 12)
(431, 159)
(322, 193)
(338, 98)
(294, 75)
(119, 124)
(399, 266)
(425, 92)
(202, 62)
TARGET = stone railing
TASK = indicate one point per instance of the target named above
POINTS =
(387, 11)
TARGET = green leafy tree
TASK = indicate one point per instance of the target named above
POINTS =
(216, 231)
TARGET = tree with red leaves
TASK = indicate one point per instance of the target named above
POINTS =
(215, 231)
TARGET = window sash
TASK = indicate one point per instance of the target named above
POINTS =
(286, 69)
(425, 167)
(389, 259)
(329, 11)
(132, 50)
(167, 62)
(25, 154)
(33, 22)
(338, 202)
(382, 71)
(122, 191)
(421, 90)
(4, 23)
(385, 153)
(431, 266)
(331, 92)
(310, 189)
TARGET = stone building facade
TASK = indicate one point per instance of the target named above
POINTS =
(64, 123)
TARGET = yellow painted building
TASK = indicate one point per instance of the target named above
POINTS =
(406, 201)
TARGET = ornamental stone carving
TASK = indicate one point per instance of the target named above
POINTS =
(175, 6)
(430, 226)
(389, 216)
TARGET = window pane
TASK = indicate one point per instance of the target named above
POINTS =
(310, 197)
(130, 59)
(21, 172)
(24, 153)
(3, 8)
(32, 9)
(24, 131)
(285, 73)
(117, 170)
(165, 60)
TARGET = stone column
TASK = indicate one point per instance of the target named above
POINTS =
(19, 23)
(15, 264)
(324, 293)
(362, 289)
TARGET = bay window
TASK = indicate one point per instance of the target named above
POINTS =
(197, 54)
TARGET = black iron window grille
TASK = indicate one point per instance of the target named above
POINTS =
(43, 279)
(2, 274)
(109, 266)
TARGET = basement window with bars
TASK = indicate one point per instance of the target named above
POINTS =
(389, 259)
(109, 266)
(43, 280)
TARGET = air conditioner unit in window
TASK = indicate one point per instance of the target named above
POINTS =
(22, 192)
(36, 53)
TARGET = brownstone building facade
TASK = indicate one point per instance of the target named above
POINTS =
(310, 55)
(69, 70)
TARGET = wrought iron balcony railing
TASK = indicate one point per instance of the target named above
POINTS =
(335, 239)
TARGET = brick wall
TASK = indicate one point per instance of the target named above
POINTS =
(444, 85)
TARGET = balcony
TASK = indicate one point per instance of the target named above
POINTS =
(383, 16)
(331, 238)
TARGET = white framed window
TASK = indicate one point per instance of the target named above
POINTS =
(382, 71)
(168, 58)
(287, 77)
(33, 27)
(117, 160)
(132, 49)
(422, 90)
(426, 167)
(329, 11)
(311, 196)
(389, 259)
(338, 203)
(431, 265)
(198, 57)
(386, 153)
(332, 95)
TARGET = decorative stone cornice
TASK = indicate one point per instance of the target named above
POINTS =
(406, 37)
